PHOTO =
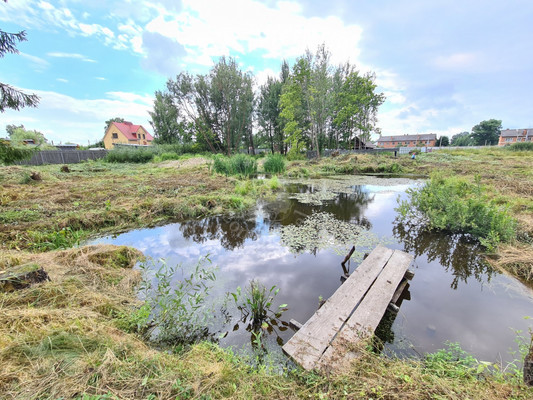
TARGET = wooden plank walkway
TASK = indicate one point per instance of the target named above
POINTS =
(351, 313)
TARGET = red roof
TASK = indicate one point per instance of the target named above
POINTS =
(128, 129)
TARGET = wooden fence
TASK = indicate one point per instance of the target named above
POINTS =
(63, 156)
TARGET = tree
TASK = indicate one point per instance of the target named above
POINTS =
(11, 128)
(487, 132)
(268, 114)
(219, 105)
(443, 141)
(462, 139)
(116, 119)
(165, 123)
(9, 96)
(357, 105)
(19, 135)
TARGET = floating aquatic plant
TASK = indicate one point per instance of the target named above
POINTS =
(323, 231)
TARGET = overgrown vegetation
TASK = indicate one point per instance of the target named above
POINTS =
(130, 155)
(175, 304)
(274, 164)
(457, 205)
(240, 164)
(520, 146)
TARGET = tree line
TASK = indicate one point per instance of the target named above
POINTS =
(310, 106)
(483, 134)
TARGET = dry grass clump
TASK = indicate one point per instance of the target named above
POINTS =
(516, 259)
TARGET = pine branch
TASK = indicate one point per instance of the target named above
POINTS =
(15, 99)
(8, 42)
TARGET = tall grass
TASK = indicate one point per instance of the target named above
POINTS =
(274, 164)
(459, 206)
(520, 146)
(239, 164)
(134, 155)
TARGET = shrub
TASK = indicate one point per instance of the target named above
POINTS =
(521, 146)
(274, 164)
(176, 304)
(130, 155)
(239, 164)
(458, 206)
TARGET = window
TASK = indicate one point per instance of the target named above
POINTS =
(509, 139)
(144, 136)
(115, 135)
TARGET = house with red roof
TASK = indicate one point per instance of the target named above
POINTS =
(126, 133)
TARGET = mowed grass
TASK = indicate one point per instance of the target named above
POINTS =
(506, 175)
(73, 337)
(62, 209)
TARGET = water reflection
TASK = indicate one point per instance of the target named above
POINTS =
(249, 246)
(231, 231)
(346, 206)
(459, 254)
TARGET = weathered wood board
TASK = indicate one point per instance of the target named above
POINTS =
(365, 294)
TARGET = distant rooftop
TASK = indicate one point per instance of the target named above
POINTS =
(516, 132)
(402, 138)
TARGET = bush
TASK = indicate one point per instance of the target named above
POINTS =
(521, 146)
(274, 164)
(176, 310)
(130, 155)
(239, 164)
(458, 206)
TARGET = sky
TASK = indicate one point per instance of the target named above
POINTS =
(444, 65)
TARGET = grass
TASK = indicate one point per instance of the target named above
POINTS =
(506, 175)
(76, 336)
(68, 338)
(240, 164)
(274, 164)
(63, 209)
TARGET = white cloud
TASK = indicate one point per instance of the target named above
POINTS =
(70, 55)
(64, 118)
(38, 63)
(62, 80)
(100, 78)
(211, 29)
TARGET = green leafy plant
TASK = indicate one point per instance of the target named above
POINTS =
(53, 240)
(458, 206)
(274, 164)
(177, 300)
(256, 302)
(451, 362)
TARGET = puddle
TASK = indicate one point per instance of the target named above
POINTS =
(298, 245)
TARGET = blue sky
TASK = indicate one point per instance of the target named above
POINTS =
(444, 65)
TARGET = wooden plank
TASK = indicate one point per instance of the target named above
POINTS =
(308, 344)
(367, 316)
(295, 324)
(399, 291)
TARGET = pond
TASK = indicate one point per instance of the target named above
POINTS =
(298, 241)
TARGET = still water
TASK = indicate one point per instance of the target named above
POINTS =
(298, 241)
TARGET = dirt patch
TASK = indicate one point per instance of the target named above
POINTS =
(186, 163)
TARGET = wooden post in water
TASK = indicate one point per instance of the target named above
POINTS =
(528, 366)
